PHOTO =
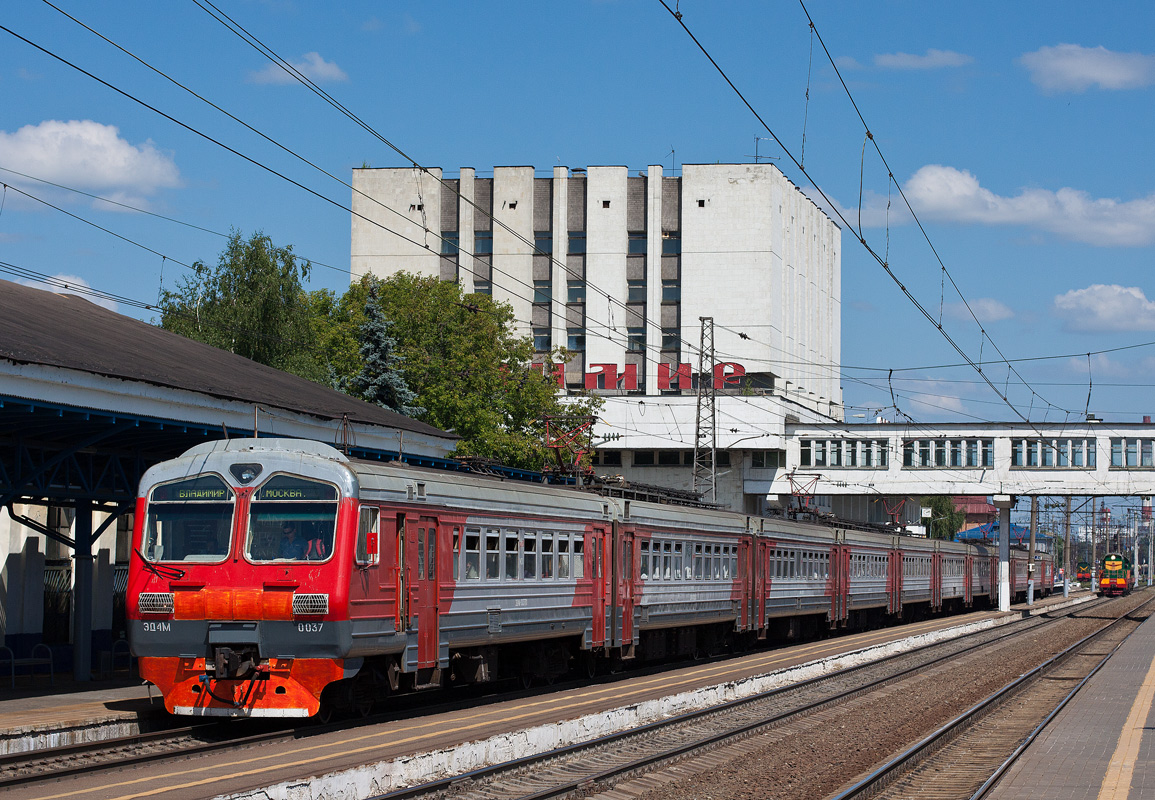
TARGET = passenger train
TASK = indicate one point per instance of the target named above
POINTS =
(271, 577)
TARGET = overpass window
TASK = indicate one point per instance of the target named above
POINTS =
(835, 454)
(852, 449)
(1090, 447)
(1018, 458)
(940, 449)
(1116, 452)
(1033, 453)
(988, 452)
(956, 453)
(1064, 459)
(1147, 455)
(1048, 454)
(972, 453)
(908, 454)
(883, 454)
(1132, 452)
(804, 453)
(819, 454)
(924, 453)
(868, 454)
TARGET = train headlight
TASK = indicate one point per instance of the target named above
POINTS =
(154, 602)
(310, 604)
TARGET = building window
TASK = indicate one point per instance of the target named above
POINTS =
(671, 243)
(542, 291)
(671, 290)
(669, 458)
(575, 340)
(450, 244)
(671, 340)
(701, 204)
(637, 244)
(721, 458)
(575, 291)
(482, 287)
(605, 204)
(541, 339)
(635, 291)
(643, 458)
(635, 339)
(543, 242)
(577, 243)
(483, 243)
(607, 458)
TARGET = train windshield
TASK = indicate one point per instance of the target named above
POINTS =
(190, 520)
(292, 519)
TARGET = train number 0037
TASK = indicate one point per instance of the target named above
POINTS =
(309, 627)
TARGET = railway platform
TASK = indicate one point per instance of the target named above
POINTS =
(41, 714)
(1101, 746)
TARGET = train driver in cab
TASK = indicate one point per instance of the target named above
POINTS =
(291, 546)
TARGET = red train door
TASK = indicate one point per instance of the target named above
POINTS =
(838, 583)
(761, 584)
(745, 581)
(423, 560)
(624, 581)
(595, 561)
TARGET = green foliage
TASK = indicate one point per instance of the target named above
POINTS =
(251, 303)
(470, 373)
(946, 519)
(380, 380)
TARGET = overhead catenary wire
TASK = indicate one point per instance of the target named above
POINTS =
(834, 208)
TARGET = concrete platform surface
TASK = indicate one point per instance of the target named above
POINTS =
(1102, 745)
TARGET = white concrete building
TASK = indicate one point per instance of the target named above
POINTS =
(619, 267)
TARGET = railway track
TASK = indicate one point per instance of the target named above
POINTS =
(699, 730)
(967, 756)
(587, 768)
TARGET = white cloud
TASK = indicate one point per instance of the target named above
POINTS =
(311, 65)
(1100, 308)
(847, 63)
(987, 309)
(73, 284)
(946, 193)
(84, 154)
(934, 59)
(1073, 68)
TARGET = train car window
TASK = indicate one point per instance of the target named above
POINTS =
(678, 561)
(529, 556)
(431, 542)
(644, 559)
(368, 528)
(563, 556)
(512, 556)
(697, 562)
(579, 564)
(667, 560)
(189, 520)
(492, 555)
(472, 554)
(547, 555)
(456, 554)
(420, 554)
(291, 519)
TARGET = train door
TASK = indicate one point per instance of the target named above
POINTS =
(838, 582)
(761, 583)
(968, 580)
(401, 575)
(624, 591)
(936, 567)
(746, 582)
(894, 582)
(425, 593)
(595, 560)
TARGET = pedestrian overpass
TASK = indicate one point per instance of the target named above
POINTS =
(1003, 460)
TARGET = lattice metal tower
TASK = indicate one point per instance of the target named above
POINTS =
(706, 430)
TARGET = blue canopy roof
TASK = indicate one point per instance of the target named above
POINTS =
(1020, 534)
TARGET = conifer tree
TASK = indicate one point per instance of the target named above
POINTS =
(380, 380)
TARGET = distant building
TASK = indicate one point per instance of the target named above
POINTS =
(620, 268)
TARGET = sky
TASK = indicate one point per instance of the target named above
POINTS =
(1020, 134)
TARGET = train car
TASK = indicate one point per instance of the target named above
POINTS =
(280, 578)
(1083, 571)
(1115, 577)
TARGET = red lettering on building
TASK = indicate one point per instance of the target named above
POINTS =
(558, 371)
(605, 376)
(668, 372)
(728, 374)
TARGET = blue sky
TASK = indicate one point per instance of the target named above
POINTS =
(1020, 133)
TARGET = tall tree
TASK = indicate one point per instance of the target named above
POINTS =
(470, 371)
(251, 303)
(380, 380)
(946, 518)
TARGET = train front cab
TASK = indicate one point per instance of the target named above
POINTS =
(223, 619)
